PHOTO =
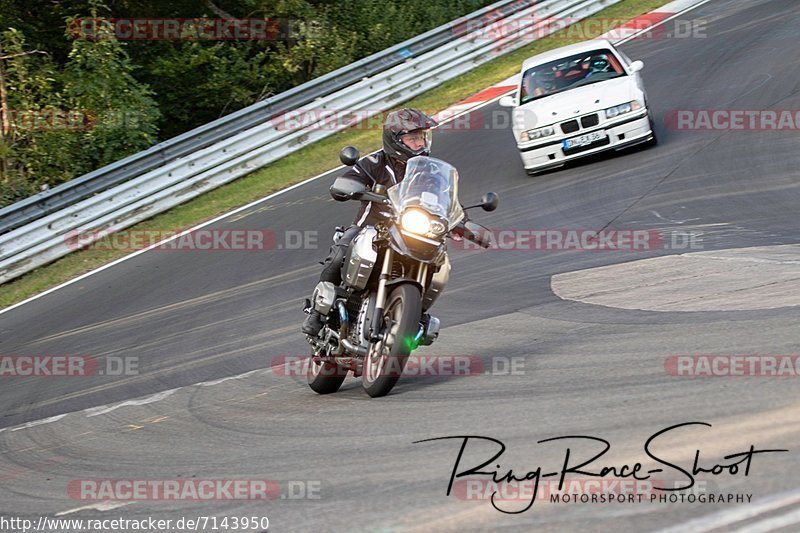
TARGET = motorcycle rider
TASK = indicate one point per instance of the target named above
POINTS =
(406, 133)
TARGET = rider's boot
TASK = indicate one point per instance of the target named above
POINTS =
(313, 323)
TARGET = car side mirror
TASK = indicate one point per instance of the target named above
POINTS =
(489, 201)
(349, 155)
(508, 101)
(636, 66)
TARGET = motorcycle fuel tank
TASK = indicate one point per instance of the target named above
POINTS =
(361, 257)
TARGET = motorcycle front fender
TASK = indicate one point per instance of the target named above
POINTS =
(398, 281)
(438, 283)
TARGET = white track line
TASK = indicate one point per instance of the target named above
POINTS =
(105, 409)
(36, 423)
(141, 400)
(235, 211)
(159, 243)
(771, 524)
(214, 220)
(309, 180)
(101, 506)
(739, 514)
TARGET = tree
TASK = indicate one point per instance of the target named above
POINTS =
(87, 103)
(25, 81)
(61, 124)
(98, 79)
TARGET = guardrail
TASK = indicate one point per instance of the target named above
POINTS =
(61, 196)
(176, 181)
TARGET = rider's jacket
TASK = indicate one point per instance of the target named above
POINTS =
(386, 171)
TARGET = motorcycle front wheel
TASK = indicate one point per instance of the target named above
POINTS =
(386, 359)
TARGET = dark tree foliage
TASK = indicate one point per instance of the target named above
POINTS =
(73, 105)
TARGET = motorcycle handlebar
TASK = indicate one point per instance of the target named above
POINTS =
(474, 232)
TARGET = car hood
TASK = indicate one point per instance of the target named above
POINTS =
(576, 102)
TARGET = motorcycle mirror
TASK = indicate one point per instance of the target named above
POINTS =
(489, 201)
(349, 155)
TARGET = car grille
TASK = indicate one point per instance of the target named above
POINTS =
(590, 120)
(586, 121)
(570, 126)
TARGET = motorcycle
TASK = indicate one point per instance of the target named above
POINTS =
(392, 274)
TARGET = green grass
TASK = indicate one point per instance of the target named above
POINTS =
(310, 161)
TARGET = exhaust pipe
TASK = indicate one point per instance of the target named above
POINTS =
(352, 348)
(344, 327)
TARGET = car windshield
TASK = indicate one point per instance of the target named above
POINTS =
(430, 184)
(568, 73)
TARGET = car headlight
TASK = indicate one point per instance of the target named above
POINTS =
(532, 135)
(621, 109)
(416, 221)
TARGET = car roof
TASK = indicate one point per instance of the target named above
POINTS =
(565, 51)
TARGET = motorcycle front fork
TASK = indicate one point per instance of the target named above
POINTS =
(376, 332)
(376, 324)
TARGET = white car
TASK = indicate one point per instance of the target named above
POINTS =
(576, 101)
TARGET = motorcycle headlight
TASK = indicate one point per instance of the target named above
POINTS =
(438, 228)
(416, 221)
(621, 109)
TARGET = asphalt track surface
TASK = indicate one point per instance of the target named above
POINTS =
(194, 317)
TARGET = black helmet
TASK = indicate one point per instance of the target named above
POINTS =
(599, 64)
(399, 123)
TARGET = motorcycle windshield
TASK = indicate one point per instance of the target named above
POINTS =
(430, 184)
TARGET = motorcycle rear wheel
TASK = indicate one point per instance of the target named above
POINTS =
(325, 377)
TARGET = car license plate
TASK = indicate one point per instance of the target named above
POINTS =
(584, 140)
